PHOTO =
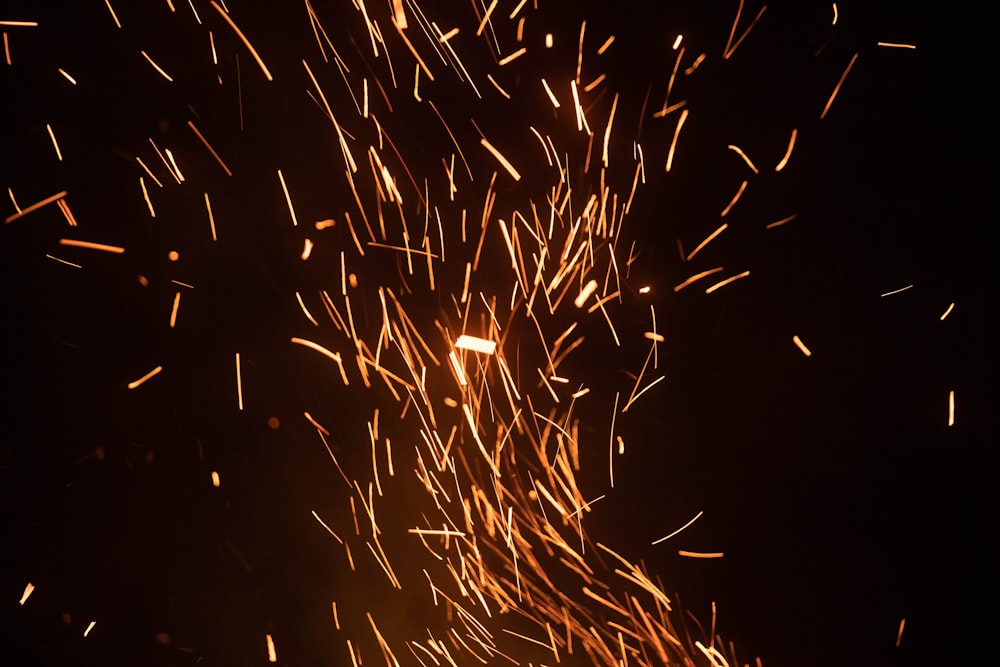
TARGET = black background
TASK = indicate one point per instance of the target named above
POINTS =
(841, 498)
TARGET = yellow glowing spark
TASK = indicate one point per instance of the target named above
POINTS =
(802, 346)
(155, 66)
(211, 218)
(113, 15)
(173, 311)
(726, 281)
(20, 24)
(68, 214)
(951, 408)
(216, 482)
(837, 87)
(89, 628)
(92, 246)
(63, 261)
(145, 378)
(27, 593)
(679, 530)
(834, 14)
(67, 75)
(398, 14)
(211, 150)
(708, 240)
(945, 313)
(677, 42)
(585, 293)
(788, 151)
(307, 248)
(272, 655)
(739, 151)
(677, 133)
(148, 172)
(552, 97)
(899, 633)
(34, 207)
(736, 198)
(173, 162)
(497, 86)
(697, 62)
(288, 199)
(730, 45)
(696, 277)
(486, 18)
(239, 381)
(514, 56)
(645, 290)
(605, 45)
(466, 342)
(145, 196)
(243, 38)
(897, 291)
(325, 352)
(6, 48)
(607, 132)
(548, 40)
(55, 144)
(782, 221)
(700, 554)
(517, 9)
(501, 159)
(894, 45)
(448, 35)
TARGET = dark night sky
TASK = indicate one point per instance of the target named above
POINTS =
(841, 498)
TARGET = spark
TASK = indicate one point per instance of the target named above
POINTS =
(28, 590)
(726, 281)
(951, 306)
(679, 530)
(475, 344)
(778, 223)
(211, 150)
(788, 152)
(837, 87)
(739, 151)
(55, 144)
(20, 24)
(802, 346)
(894, 45)
(173, 310)
(145, 378)
(700, 554)
(513, 56)
(288, 199)
(34, 207)
(704, 243)
(216, 481)
(239, 381)
(155, 66)
(211, 218)
(89, 628)
(67, 75)
(897, 291)
(899, 633)
(116, 250)
(677, 133)
(272, 655)
(63, 261)
(243, 38)
(951, 408)
(501, 159)
(732, 46)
